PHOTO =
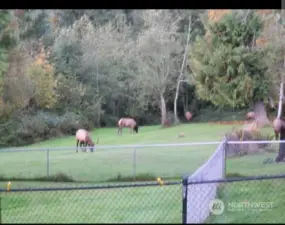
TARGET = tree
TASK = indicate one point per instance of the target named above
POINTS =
(229, 70)
(159, 53)
(273, 37)
(8, 39)
(42, 79)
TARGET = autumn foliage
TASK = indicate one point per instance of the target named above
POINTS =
(41, 74)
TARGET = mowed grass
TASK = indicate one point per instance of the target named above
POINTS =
(111, 164)
(270, 193)
(144, 204)
(158, 204)
(106, 164)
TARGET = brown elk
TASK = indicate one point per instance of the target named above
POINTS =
(83, 137)
(127, 122)
(250, 115)
(262, 120)
(277, 126)
(188, 115)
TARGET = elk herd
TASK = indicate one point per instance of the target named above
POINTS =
(256, 120)
(83, 138)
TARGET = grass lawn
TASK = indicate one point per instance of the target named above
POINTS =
(271, 192)
(158, 204)
(144, 204)
(110, 163)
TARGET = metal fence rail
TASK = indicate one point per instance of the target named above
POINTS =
(258, 199)
(114, 162)
(134, 203)
(136, 162)
(102, 147)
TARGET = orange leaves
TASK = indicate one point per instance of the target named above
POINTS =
(215, 15)
(41, 60)
(261, 42)
(264, 12)
(41, 74)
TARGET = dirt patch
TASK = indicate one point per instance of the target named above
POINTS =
(234, 122)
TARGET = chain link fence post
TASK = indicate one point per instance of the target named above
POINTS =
(134, 164)
(184, 199)
(47, 160)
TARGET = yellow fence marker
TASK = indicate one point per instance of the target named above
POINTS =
(9, 186)
(159, 181)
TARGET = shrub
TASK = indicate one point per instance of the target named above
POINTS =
(245, 149)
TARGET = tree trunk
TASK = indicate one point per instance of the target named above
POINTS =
(163, 110)
(281, 92)
(281, 154)
(175, 102)
(181, 72)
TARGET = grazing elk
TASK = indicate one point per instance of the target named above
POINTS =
(127, 122)
(188, 115)
(277, 126)
(83, 137)
(250, 116)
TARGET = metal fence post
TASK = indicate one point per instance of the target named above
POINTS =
(0, 207)
(225, 158)
(184, 199)
(47, 162)
(134, 164)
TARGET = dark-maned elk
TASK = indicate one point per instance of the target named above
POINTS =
(250, 116)
(83, 138)
(127, 122)
(262, 120)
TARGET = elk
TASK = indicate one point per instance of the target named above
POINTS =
(250, 115)
(188, 115)
(127, 122)
(262, 120)
(83, 137)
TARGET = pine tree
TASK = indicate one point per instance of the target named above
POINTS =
(229, 70)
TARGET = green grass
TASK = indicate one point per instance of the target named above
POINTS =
(108, 164)
(159, 204)
(265, 191)
(145, 204)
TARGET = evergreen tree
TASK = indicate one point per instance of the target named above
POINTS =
(230, 70)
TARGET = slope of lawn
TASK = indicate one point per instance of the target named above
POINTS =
(106, 164)
(158, 204)
(144, 204)
(258, 201)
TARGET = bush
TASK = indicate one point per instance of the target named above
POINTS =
(59, 177)
(39, 126)
(245, 149)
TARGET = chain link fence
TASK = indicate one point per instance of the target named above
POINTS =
(238, 200)
(133, 203)
(106, 163)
